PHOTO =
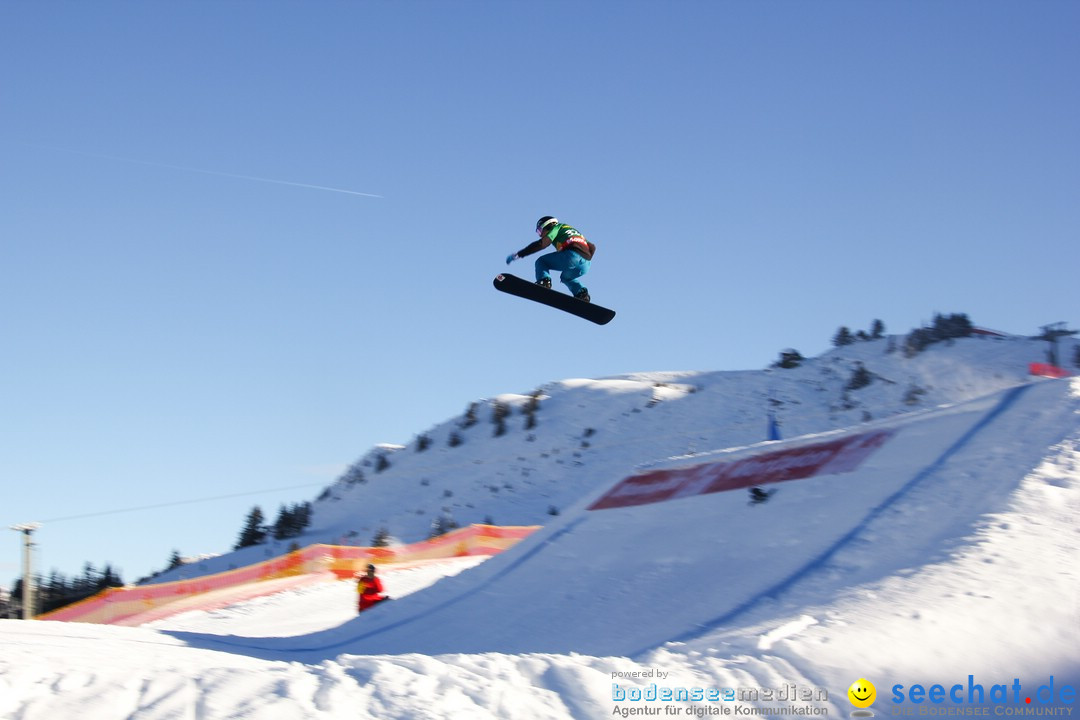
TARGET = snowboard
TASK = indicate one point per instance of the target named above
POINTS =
(514, 285)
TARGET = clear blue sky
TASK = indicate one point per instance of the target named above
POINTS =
(755, 175)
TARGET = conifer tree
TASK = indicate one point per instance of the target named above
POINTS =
(303, 516)
(254, 532)
(860, 377)
(442, 525)
(285, 524)
(789, 359)
(498, 416)
(381, 539)
(109, 578)
(292, 521)
(353, 475)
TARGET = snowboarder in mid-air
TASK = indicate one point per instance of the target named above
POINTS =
(572, 257)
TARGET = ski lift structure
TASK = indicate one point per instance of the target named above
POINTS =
(1052, 367)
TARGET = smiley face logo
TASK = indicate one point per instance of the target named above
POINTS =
(862, 693)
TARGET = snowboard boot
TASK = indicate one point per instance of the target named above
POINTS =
(544, 283)
(583, 296)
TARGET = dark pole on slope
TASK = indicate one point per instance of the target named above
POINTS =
(27, 529)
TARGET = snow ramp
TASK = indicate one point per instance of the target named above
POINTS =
(681, 550)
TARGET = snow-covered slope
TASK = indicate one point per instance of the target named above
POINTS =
(948, 557)
(588, 433)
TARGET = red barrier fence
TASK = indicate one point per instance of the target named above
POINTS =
(115, 605)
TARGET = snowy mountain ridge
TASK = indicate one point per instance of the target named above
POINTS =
(520, 459)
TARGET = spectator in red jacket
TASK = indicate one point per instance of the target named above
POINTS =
(369, 588)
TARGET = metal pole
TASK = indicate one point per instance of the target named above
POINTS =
(27, 530)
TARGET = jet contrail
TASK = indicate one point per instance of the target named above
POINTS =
(209, 172)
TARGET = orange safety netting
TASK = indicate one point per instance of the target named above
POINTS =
(115, 606)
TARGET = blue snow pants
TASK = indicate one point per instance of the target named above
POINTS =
(569, 263)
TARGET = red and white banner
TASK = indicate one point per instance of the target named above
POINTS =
(827, 458)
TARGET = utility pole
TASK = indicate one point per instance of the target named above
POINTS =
(27, 529)
(1051, 333)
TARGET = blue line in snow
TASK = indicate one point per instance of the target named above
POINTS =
(1010, 398)
(525, 557)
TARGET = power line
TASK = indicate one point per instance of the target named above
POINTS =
(204, 172)
(180, 502)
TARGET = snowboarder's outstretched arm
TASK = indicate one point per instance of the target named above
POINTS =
(534, 247)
